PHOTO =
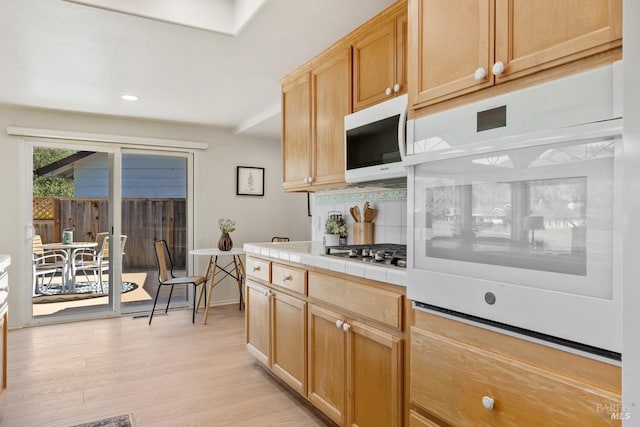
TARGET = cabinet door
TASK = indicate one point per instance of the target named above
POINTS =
(402, 53)
(257, 329)
(374, 66)
(289, 327)
(448, 42)
(326, 363)
(535, 35)
(331, 102)
(296, 132)
(374, 377)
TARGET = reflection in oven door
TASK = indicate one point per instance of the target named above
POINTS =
(537, 224)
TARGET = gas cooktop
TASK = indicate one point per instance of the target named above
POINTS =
(380, 253)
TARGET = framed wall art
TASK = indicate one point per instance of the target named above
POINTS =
(249, 181)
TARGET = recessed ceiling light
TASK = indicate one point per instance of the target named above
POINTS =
(128, 97)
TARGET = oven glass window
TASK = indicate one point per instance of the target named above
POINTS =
(536, 224)
(546, 209)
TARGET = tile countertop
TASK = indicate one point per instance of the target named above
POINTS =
(312, 253)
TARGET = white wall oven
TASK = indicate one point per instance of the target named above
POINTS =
(519, 228)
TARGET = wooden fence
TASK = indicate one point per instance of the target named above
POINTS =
(143, 221)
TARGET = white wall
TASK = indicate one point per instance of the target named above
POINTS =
(258, 218)
(631, 266)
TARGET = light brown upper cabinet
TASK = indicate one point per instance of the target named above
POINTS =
(380, 60)
(455, 50)
(314, 103)
(296, 130)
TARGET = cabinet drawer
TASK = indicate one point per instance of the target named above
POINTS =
(452, 380)
(417, 420)
(259, 269)
(290, 278)
(376, 304)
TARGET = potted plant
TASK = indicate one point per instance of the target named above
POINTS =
(335, 230)
(226, 225)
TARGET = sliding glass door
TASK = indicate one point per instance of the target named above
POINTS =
(72, 207)
(154, 206)
(96, 214)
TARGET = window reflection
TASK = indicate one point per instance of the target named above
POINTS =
(536, 224)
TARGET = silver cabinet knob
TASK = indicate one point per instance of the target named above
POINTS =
(480, 74)
(388, 91)
(487, 402)
(396, 88)
(346, 327)
(339, 323)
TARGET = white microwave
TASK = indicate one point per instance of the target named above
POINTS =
(522, 231)
(375, 142)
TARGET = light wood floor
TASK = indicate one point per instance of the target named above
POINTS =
(172, 373)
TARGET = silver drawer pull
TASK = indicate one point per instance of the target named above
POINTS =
(487, 402)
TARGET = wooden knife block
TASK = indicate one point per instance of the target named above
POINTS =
(362, 233)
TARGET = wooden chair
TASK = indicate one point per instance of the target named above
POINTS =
(167, 278)
(45, 265)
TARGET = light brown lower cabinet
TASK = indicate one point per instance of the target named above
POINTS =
(289, 339)
(257, 321)
(355, 370)
(374, 377)
(348, 368)
(468, 376)
(327, 363)
(276, 333)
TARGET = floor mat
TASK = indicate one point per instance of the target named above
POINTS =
(83, 290)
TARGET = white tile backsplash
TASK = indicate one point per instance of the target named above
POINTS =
(390, 225)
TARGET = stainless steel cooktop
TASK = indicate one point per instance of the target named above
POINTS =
(390, 254)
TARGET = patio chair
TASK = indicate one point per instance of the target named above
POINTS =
(46, 265)
(167, 278)
(95, 261)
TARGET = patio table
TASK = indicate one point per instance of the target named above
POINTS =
(69, 279)
(238, 272)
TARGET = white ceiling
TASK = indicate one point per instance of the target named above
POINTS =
(68, 56)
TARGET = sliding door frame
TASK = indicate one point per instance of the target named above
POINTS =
(114, 150)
